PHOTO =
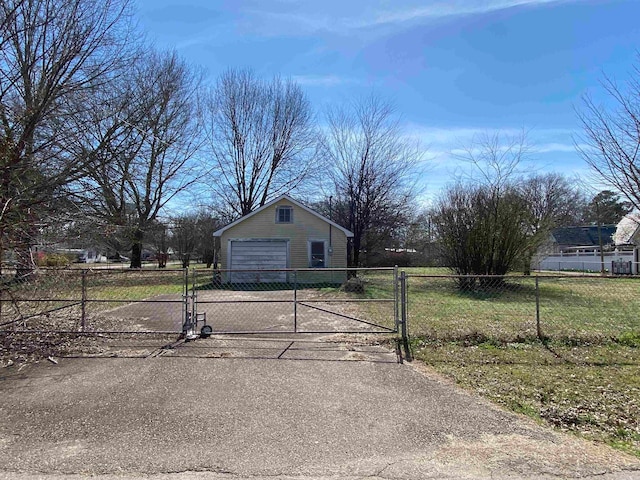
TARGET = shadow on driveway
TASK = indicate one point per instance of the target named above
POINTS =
(256, 347)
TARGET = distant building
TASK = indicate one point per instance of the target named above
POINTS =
(585, 237)
(578, 248)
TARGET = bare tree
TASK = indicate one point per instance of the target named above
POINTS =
(146, 141)
(480, 232)
(371, 166)
(192, 236)
(419, 235)
(552, 201)
(483, 223)
(610, 143)
(184, 237)
(52, 50)
(207, 223)
(261, 136)
(496, 159)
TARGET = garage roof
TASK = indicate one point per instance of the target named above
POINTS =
(219, 233)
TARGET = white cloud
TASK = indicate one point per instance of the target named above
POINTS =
(549, 150)
(454, 135)
(542, 140)
(323, 80)
(554, 147)
(339, 18)
(437, 10)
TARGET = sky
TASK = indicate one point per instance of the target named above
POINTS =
(454, 70)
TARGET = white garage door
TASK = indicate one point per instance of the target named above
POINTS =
(258, 255)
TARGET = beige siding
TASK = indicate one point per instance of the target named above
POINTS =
(305, 227)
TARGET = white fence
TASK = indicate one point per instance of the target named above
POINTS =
(614, 262)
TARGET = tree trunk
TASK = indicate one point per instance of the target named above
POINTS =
(527, 264)
(136, 249)
(353, 256)
(208, 258)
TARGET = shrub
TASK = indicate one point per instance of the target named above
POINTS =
(354, 284)
(52, 260)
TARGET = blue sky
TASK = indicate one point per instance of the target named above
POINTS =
(453, 69)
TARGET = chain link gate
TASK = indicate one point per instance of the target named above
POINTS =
(109, 303)
(292, 301)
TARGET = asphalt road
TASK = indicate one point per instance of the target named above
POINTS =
(279, 409)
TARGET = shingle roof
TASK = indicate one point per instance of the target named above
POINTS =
(583, 235)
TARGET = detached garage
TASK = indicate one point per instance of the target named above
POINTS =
(259, 255)
(283, 234)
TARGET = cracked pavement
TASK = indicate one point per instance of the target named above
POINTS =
(265, 409)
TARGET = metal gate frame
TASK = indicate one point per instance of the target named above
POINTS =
(195, 322)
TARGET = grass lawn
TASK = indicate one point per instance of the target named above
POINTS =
(133, 285)
(583, 378)
(593, 391)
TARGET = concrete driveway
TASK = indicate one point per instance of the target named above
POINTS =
(255, 311)
(285, 408)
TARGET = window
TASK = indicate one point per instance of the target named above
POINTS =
(316, 254)
(284, 214)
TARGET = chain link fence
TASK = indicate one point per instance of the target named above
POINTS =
(297, 300)
(135, 301)
(579, 309)
(93, 300)
(106, 300)
(564, 308)
(51, 296)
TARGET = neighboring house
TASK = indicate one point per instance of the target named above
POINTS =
(586, 237)
(283, 234)
(77, 255)
(91, 255)
(578, 248)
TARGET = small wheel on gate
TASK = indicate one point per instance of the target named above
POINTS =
(206, 331)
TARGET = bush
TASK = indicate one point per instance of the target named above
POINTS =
(52, 260)
(354, 285)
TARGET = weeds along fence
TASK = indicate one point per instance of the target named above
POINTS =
(573, 309)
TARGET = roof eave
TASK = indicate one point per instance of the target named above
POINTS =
(219, 232)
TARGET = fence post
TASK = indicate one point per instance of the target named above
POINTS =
(295, 301)
(396, 281)
(185, 302)
(83, 301)
(403, 306)
(1, 279)
(538, 326)
(194, 301)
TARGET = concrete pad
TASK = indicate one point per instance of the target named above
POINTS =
(244, 311)
(192, 418)
(283, 348)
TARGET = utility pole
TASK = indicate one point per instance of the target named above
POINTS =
(602, 270)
